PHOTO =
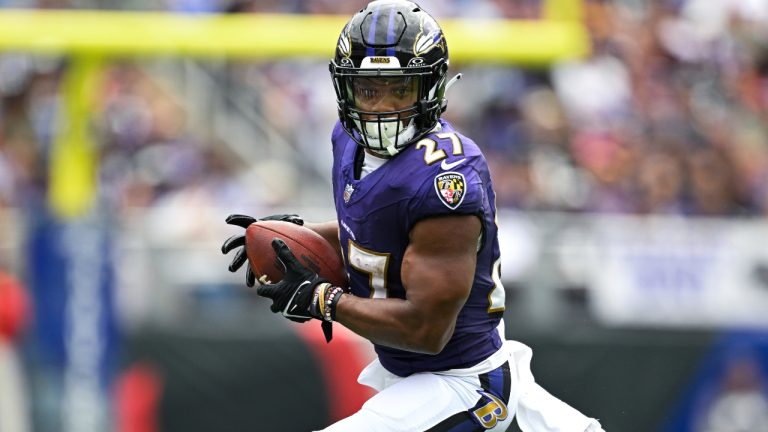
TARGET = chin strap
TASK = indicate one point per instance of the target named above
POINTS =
(391, 149)
(390, 145)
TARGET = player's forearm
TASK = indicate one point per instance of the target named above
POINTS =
(396, 323)
(327, 230)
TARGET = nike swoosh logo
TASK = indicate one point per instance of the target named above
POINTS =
(290, 301)
(448, 166)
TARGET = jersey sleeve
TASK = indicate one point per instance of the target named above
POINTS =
(459, 191)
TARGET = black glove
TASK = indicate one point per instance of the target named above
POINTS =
(292, 296)
(301, 294)
(238, 240)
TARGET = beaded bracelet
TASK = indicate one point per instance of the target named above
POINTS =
(332, 299)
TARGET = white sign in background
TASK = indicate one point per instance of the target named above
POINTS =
(679, 272)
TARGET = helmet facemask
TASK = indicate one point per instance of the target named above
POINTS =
(385, 110)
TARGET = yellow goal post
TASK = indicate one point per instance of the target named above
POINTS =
(90, 37)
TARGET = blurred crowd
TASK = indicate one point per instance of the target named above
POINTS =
(668, 115)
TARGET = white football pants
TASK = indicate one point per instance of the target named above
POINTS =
(484, 397)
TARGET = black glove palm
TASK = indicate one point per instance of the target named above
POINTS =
(238, 240)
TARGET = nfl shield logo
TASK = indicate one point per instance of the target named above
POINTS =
(450, 187)
(348, 192)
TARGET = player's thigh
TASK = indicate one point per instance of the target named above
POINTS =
(418, 403)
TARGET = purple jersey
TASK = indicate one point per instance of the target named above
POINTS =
(444, 173)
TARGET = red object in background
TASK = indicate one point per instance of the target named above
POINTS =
(14, 307)
(137, 399)
(341, 361)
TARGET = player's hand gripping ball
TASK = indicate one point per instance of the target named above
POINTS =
(237, 241)
(255, 246)
(296, 295)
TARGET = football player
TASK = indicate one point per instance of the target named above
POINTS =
(418, 236)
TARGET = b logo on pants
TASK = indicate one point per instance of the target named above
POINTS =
(492, 412)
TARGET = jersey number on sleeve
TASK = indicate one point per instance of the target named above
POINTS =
(374, 264)
(433, 154)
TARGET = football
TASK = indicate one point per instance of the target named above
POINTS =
(307, 246)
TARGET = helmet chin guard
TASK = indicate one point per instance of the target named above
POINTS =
(390, 40)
